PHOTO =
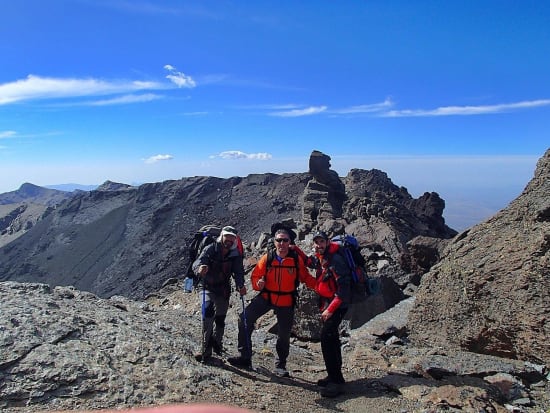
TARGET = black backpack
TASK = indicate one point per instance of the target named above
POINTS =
(361, 285)
(206, 235)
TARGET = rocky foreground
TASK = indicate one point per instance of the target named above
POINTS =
(63, 349)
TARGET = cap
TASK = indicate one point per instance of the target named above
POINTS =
(229, 230)
(320, 234)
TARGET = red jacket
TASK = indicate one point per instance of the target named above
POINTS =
(332, 278)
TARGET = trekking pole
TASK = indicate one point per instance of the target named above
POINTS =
(245, 325)
(203, 312)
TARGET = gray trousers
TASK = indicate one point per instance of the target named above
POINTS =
(285, 319)
(214, 310)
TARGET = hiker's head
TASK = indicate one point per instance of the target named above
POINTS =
(280, 226)
(320, 242)
(228, 237)
(281, 239)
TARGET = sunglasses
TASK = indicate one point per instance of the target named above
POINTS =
(281, 240)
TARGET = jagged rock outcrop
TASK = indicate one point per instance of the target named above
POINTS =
(324, 194)
(489, 292)
(381, 214)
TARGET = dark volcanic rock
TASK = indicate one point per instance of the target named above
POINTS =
(490, 292)
(324, 194)
(128, 240)
(16, 219)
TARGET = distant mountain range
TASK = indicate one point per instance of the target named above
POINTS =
(72, 187)
(34, 194)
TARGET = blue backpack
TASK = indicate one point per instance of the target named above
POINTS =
(362, 285)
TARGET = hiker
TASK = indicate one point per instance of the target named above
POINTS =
(333, 286)
(215, 265)
(276, 276)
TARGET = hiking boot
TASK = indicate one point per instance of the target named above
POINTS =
(240, 362)
(323, 382)
(281, 372)
(217, 347)
(332, 390)
(203, 358)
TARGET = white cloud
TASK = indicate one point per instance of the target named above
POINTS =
(179, 78)
(120, 100)
(37, 87)
(8, 134)
(375, 107)
(242, 155)
(312, 110)
(382, 109)
(157, 158)
(467, 110)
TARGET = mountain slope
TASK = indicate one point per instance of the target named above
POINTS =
(124, 240)
(34, 194)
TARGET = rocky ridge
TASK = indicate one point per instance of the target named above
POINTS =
(138, 353)
(123, 240)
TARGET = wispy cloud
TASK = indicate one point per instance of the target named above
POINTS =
(8, 134)
(121, 100)
(382, 109)
(179, 78)
(242, 155)
(37, 87)
(370, 108)
(158, 158)
(123, 91)
(312, 110)
(467, 110)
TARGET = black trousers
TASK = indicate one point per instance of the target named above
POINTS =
(285, 319)
(330, 345)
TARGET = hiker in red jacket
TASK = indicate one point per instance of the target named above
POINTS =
(333, 286)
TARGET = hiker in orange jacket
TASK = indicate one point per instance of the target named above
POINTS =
(276, 277)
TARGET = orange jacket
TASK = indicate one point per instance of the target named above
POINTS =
(281, 279)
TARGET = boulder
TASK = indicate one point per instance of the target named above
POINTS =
(489, 292)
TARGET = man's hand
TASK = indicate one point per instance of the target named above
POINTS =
(242, 290)
(326, 315)
(203, 269)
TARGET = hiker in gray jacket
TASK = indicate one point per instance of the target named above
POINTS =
(215, 266)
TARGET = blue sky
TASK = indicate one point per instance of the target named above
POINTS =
(445, 96)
